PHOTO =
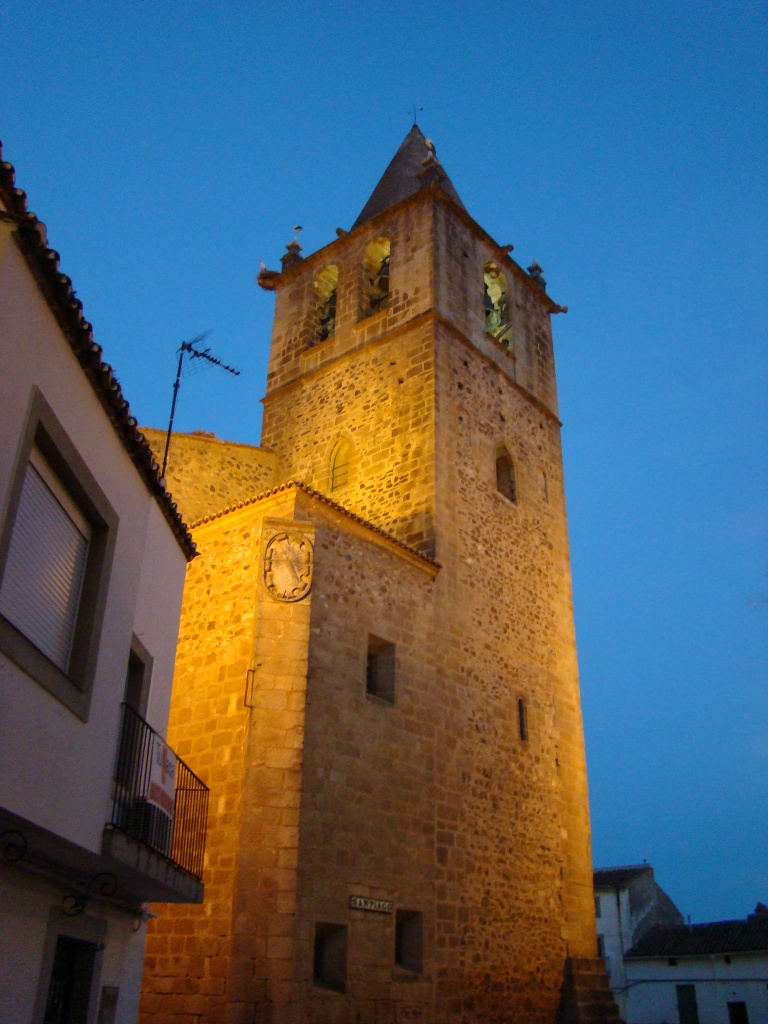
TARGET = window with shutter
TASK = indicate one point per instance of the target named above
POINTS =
(58, 533)
(43, 578)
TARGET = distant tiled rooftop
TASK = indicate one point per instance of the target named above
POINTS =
(617, 878)
(750, 936)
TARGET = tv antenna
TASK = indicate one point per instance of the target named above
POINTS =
(188, 348)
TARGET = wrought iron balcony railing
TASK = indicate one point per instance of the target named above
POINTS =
(158, 800)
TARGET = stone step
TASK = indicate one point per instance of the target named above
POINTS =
(587, 997)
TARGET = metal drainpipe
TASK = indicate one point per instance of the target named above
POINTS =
(623, 971)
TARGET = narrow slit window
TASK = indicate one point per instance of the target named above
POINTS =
(522, 718)
(506, 483)
(340, 463)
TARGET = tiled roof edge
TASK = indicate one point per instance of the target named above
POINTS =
(68, 310)
(318, 496)
(713, 937)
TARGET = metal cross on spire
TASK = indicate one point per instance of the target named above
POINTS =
(416, 111)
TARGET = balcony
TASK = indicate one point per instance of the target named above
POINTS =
(159, 816)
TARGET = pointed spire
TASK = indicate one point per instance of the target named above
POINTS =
(414, 166)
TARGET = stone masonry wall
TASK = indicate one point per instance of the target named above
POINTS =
(206, 475)
(509, 564)
(371, 383)
(434, 803)
(200, 959)
(381, 401)
(368, 823)
(459, 297)
(411, 293)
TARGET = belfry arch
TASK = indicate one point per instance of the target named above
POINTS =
(375, 289)
(496, 298)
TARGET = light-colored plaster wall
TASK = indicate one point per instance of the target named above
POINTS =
(73, 803)
(56, 769)
(30, 918)
(652, 993)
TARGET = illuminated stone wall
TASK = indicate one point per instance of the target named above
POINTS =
(371, 383)
(206, 475)
(434, 803)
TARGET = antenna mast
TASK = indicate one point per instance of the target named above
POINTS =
(195, 353)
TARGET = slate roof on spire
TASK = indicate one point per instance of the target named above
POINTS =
(401, 179)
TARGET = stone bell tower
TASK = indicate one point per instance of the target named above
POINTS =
(402, 598)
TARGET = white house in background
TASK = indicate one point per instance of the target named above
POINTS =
(628, 903)
(97, 816)
(701, 974)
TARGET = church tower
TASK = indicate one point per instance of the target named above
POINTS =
(402, 826)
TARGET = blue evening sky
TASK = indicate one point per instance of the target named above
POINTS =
(170, 146)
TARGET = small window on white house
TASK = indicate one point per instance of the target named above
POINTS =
(45, 568)
(57, 543)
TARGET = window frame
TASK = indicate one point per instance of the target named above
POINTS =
(73, 687)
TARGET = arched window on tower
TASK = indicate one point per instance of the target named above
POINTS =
(497, 304)
(326, 287)
(341, 458)
(375, 290)
(505, 474)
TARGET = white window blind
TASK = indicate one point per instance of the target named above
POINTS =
(43, 578)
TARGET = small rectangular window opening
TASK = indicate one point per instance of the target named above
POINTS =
(687, 1006)
(70, 986)
(330, 964)
(108, 1004)
(380, 669)
(138, 677)
(601, 946)
(522, 718)
(597, 906)
(409, 940)
(43, 578)
(737, 1013)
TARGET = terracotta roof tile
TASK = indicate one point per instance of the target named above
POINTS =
(617, 878)
(318, 496)
(750, 936)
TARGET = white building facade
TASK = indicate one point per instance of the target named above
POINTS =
(700, 974)
(97, 815)
(628, 904)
